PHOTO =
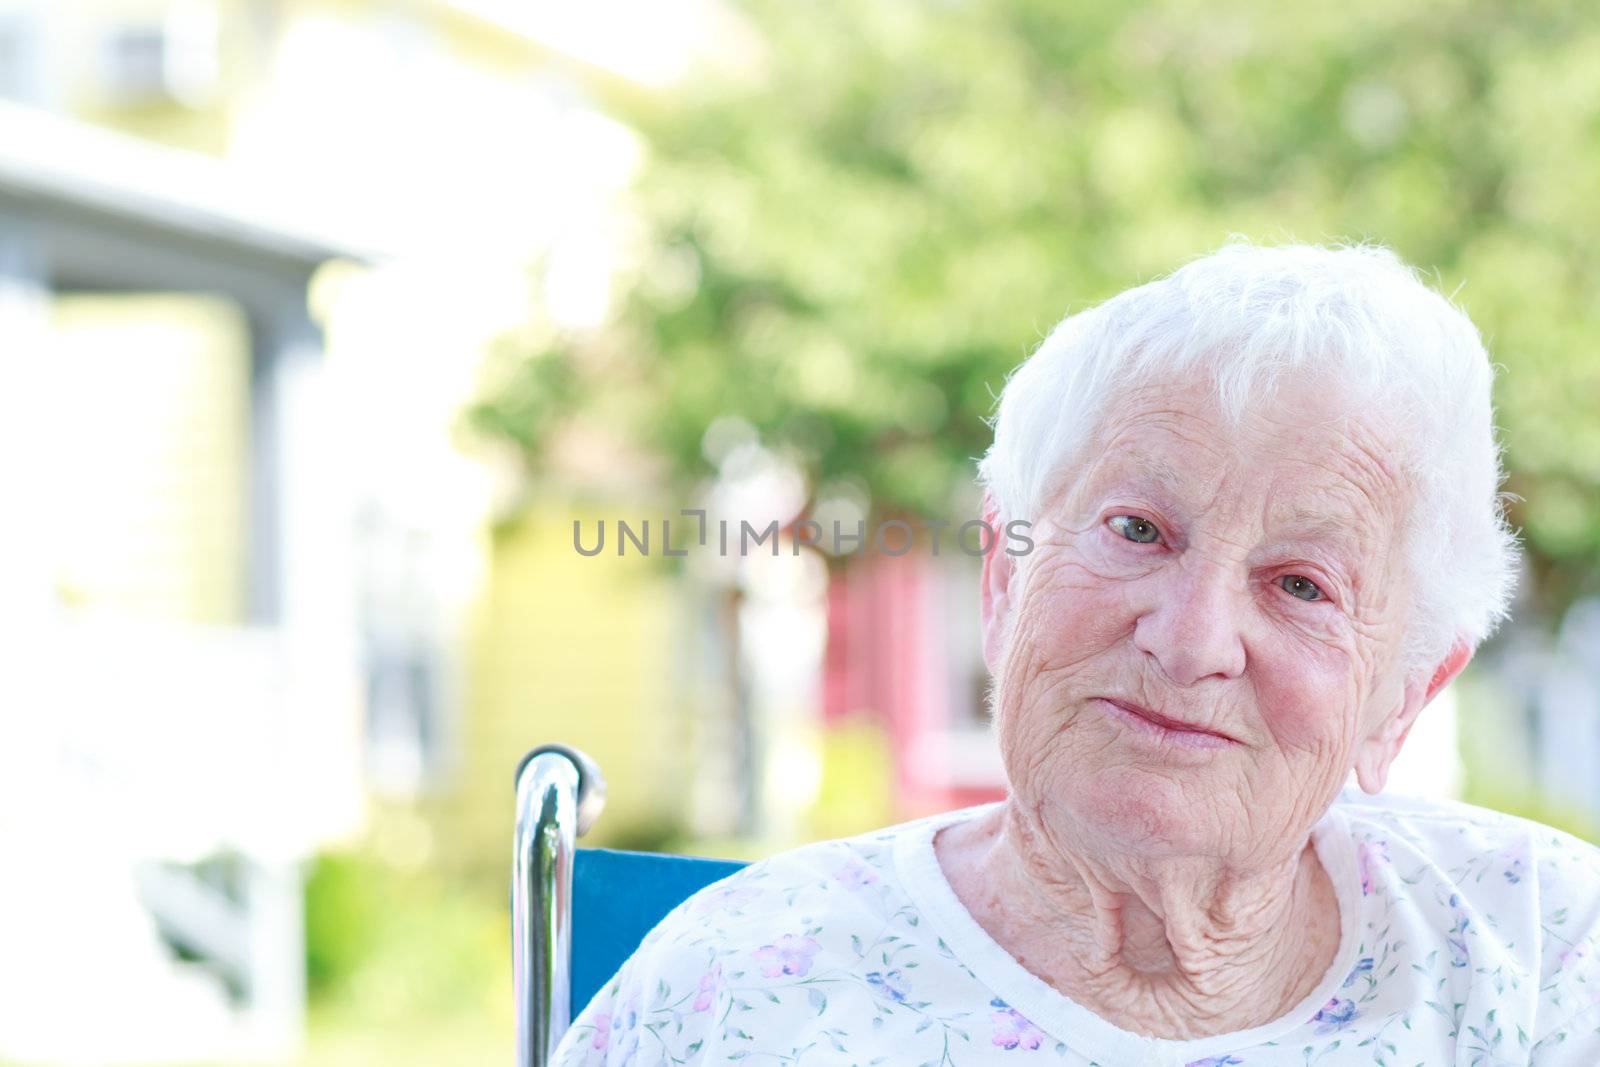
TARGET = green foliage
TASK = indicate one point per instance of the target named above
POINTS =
(343, 899)
(857, 788)
(531, 390)
(852, 249)
(384, 943)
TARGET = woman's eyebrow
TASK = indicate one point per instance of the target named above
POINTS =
(1164, 475)
(1154, 473)
(1311, 524)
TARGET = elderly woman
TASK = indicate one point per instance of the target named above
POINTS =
(1266, 533)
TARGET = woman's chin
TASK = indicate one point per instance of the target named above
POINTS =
(1143, 811)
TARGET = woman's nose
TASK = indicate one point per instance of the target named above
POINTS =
(1191, 626)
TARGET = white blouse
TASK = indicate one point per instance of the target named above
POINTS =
(1466, 937)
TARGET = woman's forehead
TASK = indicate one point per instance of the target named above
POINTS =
(1291, 406)
(1309, 468)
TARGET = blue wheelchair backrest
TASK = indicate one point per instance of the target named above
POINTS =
(617, 898)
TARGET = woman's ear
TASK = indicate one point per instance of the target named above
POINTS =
(998, 566)
(1381, 747)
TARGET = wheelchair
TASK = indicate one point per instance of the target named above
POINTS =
(578, 914)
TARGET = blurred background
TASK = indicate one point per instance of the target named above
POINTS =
(323, 321)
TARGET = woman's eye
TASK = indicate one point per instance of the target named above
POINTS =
(1300, 586)
(1136, 529)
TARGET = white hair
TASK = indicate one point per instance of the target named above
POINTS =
(1243, 316)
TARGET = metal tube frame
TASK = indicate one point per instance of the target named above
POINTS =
(559, 794)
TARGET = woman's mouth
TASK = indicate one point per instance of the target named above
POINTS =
(1160, 727)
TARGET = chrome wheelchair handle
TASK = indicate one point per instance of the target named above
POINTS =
(560, 792)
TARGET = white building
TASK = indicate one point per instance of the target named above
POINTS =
(179, 702)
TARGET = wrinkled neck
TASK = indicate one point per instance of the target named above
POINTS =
(1172, 946)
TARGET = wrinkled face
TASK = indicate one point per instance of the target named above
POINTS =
(1208, 627)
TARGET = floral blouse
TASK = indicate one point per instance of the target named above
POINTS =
(1468, 937)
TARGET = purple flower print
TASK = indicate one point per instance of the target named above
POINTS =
(1371, 855)
(854, 875)
(788, 955)
(710, 982)
(1362, 966)
(729, 897)
(1337, 1014)
(1012, 1030)
(1459, 956)
(602, 1030)
(1573, 954)
(892, 985)
(1215, 1061)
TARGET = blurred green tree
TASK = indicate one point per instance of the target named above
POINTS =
(853, 248)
